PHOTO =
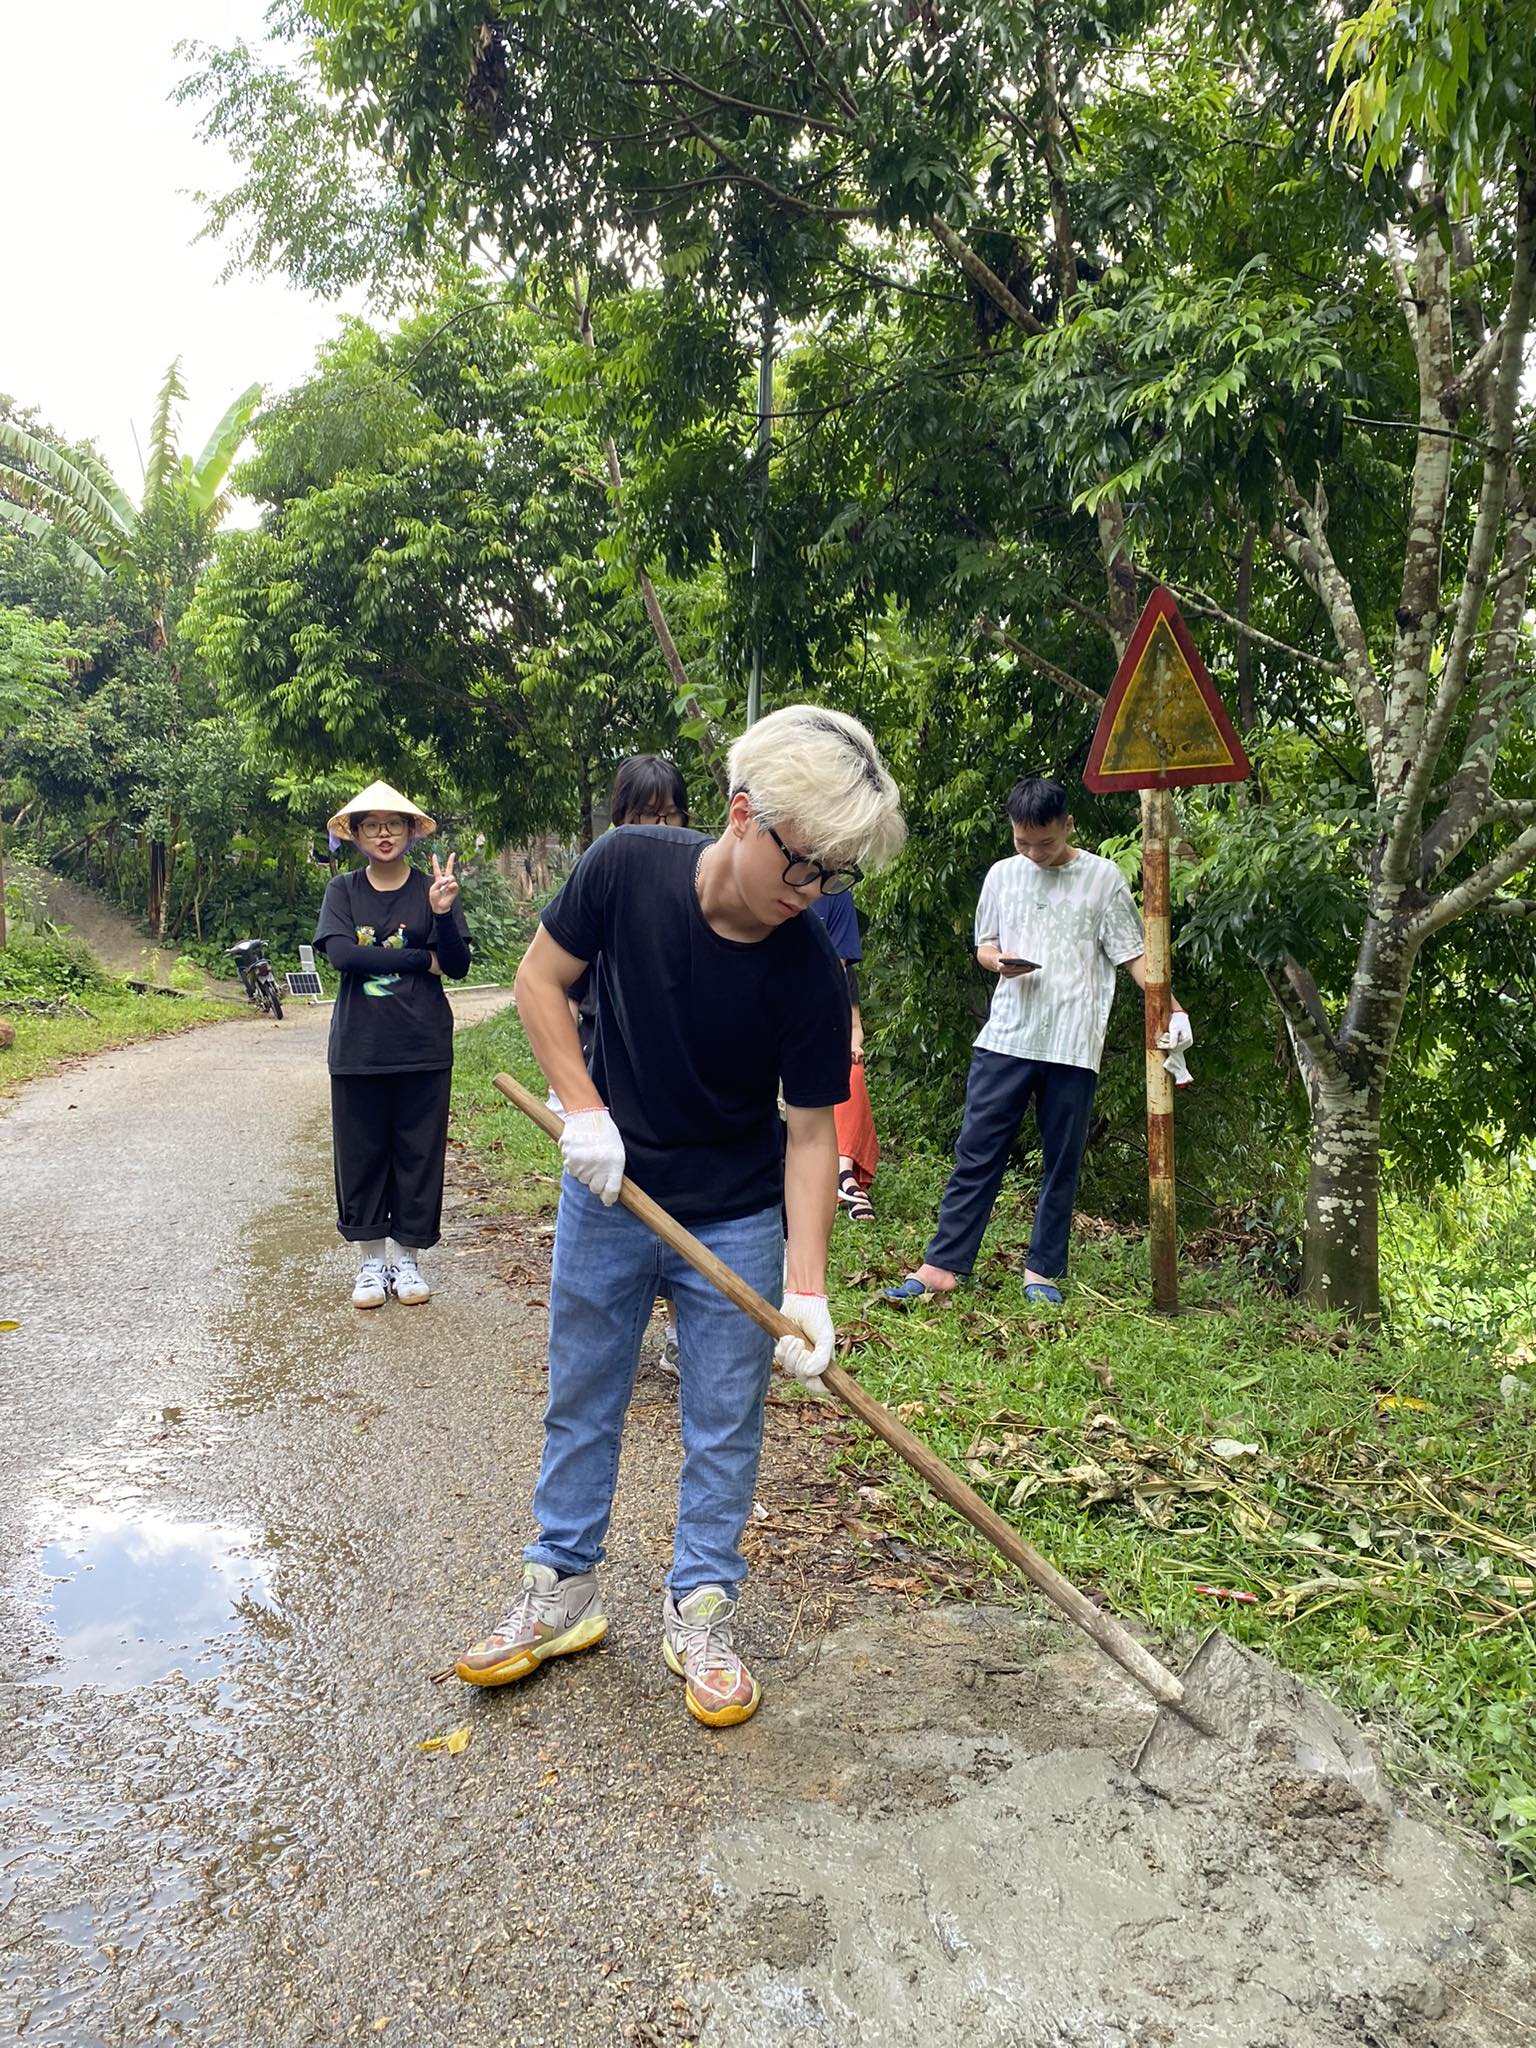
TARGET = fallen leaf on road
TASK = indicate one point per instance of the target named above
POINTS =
(454, 1741)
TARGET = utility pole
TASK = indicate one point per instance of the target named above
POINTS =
(1163, 727)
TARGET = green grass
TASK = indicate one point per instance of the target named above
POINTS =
(115, 1016)
(512, 1159)
(1384, 1523)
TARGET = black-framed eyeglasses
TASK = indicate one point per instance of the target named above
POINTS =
(799, 872)
(654, 817)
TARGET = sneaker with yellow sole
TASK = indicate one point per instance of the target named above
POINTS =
(696, 1643)
(555, 1617)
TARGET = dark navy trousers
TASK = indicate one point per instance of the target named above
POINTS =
(997, 1093)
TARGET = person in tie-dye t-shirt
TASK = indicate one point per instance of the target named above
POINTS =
(1053, 924)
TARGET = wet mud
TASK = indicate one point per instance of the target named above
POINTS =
(993, 1872)
(243, 1529)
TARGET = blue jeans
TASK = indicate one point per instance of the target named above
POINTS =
(997, 1094)
(608, 1268)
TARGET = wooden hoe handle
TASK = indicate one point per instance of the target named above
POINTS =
(1115, 1641)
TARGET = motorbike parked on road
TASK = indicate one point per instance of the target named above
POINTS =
(256, 976)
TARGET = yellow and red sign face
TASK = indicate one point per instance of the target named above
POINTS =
(1163, 725)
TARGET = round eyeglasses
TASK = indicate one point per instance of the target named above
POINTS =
(800, 873)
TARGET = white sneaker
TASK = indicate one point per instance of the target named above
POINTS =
(407, 1285)
(372, 1288)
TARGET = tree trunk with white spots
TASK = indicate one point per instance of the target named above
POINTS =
(1340, 1267)
(1346, 1074)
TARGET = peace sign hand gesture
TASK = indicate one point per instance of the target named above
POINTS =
(443, 890)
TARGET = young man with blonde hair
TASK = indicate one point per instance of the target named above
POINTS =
(714, 992)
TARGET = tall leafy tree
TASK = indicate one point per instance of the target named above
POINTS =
(1100, 308)
(34, 656)
(428, 577)
(124, 721)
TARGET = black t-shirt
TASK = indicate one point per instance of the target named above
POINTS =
(583, 993)
(392, 1014)
(697, 1033)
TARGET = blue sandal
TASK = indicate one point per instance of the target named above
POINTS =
(1043, 1291)
(911, 1291)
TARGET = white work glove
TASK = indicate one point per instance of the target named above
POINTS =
(807, 1357)
(593, 1152)
(1175, 1042)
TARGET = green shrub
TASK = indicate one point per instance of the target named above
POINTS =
(500, 924)
(41, 965)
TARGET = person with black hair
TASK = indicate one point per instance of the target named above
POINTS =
(647, 790)
(392, 934)
(1053, 924)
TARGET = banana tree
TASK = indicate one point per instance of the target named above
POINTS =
(70, 492)
(158, 546)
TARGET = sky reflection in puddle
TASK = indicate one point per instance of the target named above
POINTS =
(134, 1598)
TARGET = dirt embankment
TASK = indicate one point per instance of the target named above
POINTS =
(121, 947)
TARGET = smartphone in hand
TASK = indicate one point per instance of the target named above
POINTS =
(1014, 960)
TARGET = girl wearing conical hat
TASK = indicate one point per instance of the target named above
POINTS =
(393, 934)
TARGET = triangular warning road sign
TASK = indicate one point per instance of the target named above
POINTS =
(1163, 725)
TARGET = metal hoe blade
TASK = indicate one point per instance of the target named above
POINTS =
(1267, 1724)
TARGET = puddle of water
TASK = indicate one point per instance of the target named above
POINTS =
(59, 1971)
(98, 1931)
(134, 1458)
(134, 1598)
(59, 1838)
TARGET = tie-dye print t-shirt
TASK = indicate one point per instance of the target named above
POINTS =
(1080, 923)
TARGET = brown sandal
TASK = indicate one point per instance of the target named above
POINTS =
(853, 1199)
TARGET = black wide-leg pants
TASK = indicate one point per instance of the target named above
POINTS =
(389, 1141)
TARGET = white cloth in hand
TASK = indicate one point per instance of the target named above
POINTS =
(593, 1152)
(806, 1357)
(1175, 1041)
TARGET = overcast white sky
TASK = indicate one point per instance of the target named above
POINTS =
(103, 284)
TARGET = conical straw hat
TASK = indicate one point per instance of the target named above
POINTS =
(378, 796)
